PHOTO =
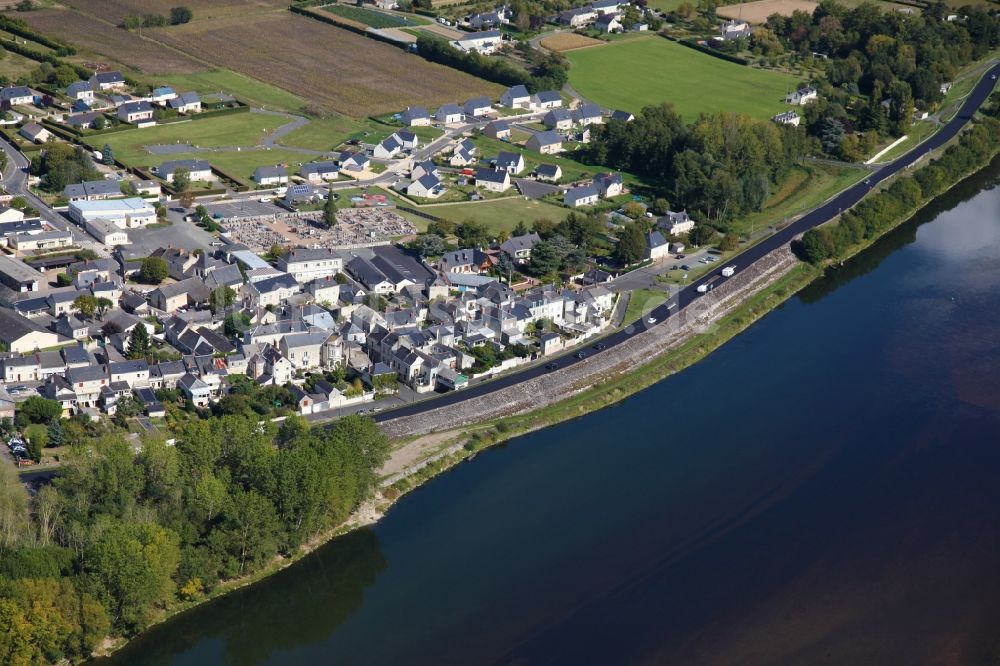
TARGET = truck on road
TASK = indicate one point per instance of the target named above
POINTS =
(729, 271)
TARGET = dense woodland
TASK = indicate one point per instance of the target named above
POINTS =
(719, 167)
(880, 65)
(125, 530)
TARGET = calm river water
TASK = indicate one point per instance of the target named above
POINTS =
(822, 490)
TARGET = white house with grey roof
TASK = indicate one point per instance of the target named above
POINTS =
(137, 113)
(516, 97)
(92, 190)
(16, 95)
(477, 106)
(270, 176)
(546, 99)
(493, 180)
(415, 116)
(512, 163)
(498, 129)
(546, 143)
(80, 90)
(584, 195)
(427, 186)
(307, 264)
(188, 102)
(448, 114)
(105, 81)
(197, 169)
(558, 119)
(318, 172)
(484, 42)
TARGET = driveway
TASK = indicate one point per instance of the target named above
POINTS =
(534, 189)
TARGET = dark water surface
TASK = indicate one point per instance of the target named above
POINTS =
(822, 490)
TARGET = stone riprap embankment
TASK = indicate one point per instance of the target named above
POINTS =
(547, 389)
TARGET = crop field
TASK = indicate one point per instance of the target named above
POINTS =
(651, 70)
(758, 11)
(332, 67)
(369, 17)
(568, 41)
(104, 39)
(115, 10)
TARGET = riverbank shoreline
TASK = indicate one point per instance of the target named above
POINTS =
(735, 311)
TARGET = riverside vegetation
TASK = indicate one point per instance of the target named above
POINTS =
(121, 536)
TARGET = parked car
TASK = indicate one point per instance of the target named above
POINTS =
(600, 346)
(551, 366)
(651, 320)
(581, 354)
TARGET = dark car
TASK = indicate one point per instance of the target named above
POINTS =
(551, 366)
(680, 256)
(685, 267)
(581, 354)
(600, 346)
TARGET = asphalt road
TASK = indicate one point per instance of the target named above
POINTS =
(686, 296)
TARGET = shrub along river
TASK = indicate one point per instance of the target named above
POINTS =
(823, 489)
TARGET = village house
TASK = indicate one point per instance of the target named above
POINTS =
(512, 163)
(802, 96)
(734, 29)
(558, 119)
(516, 97)
(16, 96)
(35, 133)
(484, 42)
(448, 114)
(185, 103)
(427, 186)
(465, 261)
(609, 184)
(92, 190)
(415, 116)
(657, 246)
(584, 195)
(353, 162)
(608, 24)
(546, 143)
(787, 118)
(80, 90)
(106, 232)
(307, 264)
(104, 81)
(578, 17)
(270, 291)
(162, 95)
(547, 99)
(493, 180)
(130, 213)
(387, 149)
(136, 112)
(476, 107)
(177, 295)
(497, 129)
(318, 172)
(19, 276)
(197, 170)
(675, 224)
(269, 176)
(87, 382)
(588, 114)
(519, 248)
(551, 173)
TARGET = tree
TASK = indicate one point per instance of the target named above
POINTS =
(221, 298)
(108, 155)
(56, 435)
(37, 409)
(38, 437)
(100, 122)
(429, 245)
(631, 246)
(181, 179)
(179, 15)
(86, 305)
(132, 565)
(236, 324)
(132, 22)
(154, 270)
(330, 210)
(187, 199)
(252, 526)
(729, 243)
(138, 343)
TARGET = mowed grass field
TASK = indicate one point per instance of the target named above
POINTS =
(239, 129)
(499, 214)
(635, 73)
(329, 66)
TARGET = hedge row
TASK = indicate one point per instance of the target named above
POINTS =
(713, 52)
(20, 28)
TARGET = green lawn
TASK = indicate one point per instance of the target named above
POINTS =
(500, 214)
(805, 188)
(240, 129)
(635, 73)
(329, 132)
(642, 301)
(572, 170)
(244, 88)
(370, 17)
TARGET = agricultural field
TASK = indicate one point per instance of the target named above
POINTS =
(240, 86)
(116, 10)
(370, 17)
(568, 41)
(331, 67)
(651, 70)
(113, 44)
(758, 11)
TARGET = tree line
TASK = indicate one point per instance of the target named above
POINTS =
(876, 215)
(549, 71)
(124, 531)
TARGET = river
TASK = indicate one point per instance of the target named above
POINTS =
(821, 490)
